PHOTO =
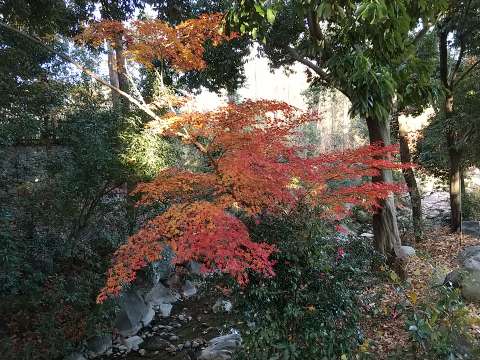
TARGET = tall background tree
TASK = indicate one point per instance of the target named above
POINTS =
(459, 51)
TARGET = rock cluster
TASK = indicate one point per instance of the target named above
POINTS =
(145, 324)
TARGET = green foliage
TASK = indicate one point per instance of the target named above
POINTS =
(363, 48)
(309, 309)
(146, 152)
(59, 226)
(439, 326)
(471, 205)
(432, 149)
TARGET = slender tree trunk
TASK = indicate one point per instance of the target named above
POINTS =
(454, 175)
(409, 175)
(112, 72)
(455, 182)
(454, 155)
(121, 70)
(385, 227)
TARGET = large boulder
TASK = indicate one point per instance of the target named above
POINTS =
(132, 343)
(221, 347)
(471, 286)
(471, 228)
(469, 259)
(99, 345)
(135, 314)
(160, 294)
(468, 252)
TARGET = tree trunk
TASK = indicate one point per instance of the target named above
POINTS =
(385, 227)
(455, 182)
(112, 72)
(121, 70)
(454, 155)
(409, 175)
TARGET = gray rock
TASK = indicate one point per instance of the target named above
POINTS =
(135, 313)
(471, 286)
(99, 345)
(405, 251)
(160, 294)
(367, 235)
(468, 252)
(471, 228)
(195, 267)
(222, 306)
(221, 347)
(133, 342)
(189, 289)
(472, 263)
(142, 352)
(174, 338)
(166, 309)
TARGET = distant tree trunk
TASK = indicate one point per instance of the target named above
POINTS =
(454, 155)
(385, 227)
(455, 182)
(112, 72)
(121, 70)
(409, 175)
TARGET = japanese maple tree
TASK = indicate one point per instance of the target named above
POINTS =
(254, 167)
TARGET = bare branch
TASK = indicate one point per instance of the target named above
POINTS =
(474, 65)
(85, 70)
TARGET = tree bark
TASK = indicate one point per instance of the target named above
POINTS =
(455, 183)
(385, 227)
(454, 155)
(409, 175)
(112, 72)
(121, 70)
(454, 174)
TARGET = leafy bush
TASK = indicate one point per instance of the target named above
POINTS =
(439, 327)
(471, 205)
(309, 309)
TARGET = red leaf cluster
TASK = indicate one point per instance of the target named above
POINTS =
(254, 167)
(149, 40)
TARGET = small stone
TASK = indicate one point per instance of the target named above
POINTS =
(222, 306)
(171, 349)
(187, 344)
(142, 352)
(180, 347)
(182, 317)
(195, 344)
(188, 289)
(166, 309)
(367, 235)
(405, 252)
(174, 338)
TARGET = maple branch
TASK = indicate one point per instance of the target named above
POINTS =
(82, 68)
(475, 64)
